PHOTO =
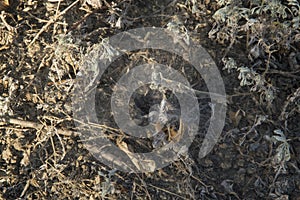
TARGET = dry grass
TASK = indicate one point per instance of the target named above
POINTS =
(42, 156)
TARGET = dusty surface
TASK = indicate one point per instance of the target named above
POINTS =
(42, 43)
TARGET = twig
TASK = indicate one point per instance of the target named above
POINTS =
(166, 191)
(51, 21)
(34, 125)
(290, 99)
(9, 27)
(292, 74)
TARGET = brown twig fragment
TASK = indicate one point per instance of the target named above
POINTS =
(34, 125)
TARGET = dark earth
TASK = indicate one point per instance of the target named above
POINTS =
(42, 44)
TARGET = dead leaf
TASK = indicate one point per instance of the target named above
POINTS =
(94, 3)
(235, 117)
(6, 154)
(25, 159)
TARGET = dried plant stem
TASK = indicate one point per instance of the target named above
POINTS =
(167, 191)
(34, 125)
(9, 27)
(51, 21)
